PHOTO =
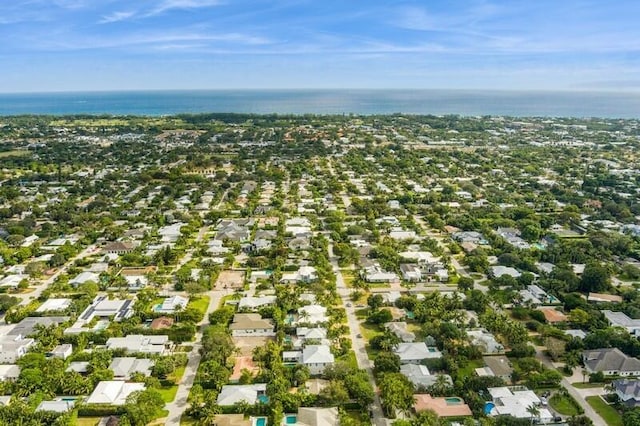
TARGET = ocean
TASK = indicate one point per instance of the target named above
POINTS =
(366, 102)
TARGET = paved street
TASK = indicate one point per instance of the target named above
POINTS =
(358, 344)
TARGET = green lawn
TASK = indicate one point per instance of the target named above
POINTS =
(564, 405)
(87, 421)
(168, 393)
(587, 385)
(469, 369)
(177, 375)
(201, 304)
(607, 412)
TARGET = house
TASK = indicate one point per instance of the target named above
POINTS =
(161, 323)
(576, 333)
(553, 316)
(85, 277)
(400, 330)
(312, 314)
(443, 407)
(232, 420)
(137, 343)
(305, 274)
(628, 391)
(232, 394)
(13, 347)
(102, 307)
(305, 334)
(28, 325)
(251, 325)
(53, 305)
(252, 303)
(485, 341)
(9, 372)
(124, 367)
(119, 247)
(499, 271)
(620, 319)
(113, 392)
(171, 304)
(317, 358)
(63, 351)
(411, 272)
(603, 298)
(610, 362)
(13, 280)
(515, 402)
(136, 278)
(60, 406)
(312, 416)
(413, 353)
(375, 274)
(496, 366)
(420, 376)
(80, 367)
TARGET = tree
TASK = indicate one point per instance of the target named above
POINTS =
(534, 411)
(387, 362)
(142, 407)
(359, 388)
(396, 392)
(595, 278)
(375, 301)
(334, 394)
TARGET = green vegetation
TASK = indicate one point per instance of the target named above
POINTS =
(607, 412)
(564, 404)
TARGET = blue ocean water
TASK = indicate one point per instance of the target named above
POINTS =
(470, 103)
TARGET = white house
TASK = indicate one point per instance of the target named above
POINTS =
(620, 319)
(312, 314)
(13, 347)
(413, 353)
(486, 341)
(515, 402)
(170, 304)
(231, 394)
(124, 367)
(114, 392)
(251, 303)
(317, 358)
(54, 305)
(137, 343)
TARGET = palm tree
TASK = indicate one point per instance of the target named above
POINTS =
(534, 411)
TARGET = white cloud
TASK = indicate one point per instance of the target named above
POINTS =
(116, 17)
(167, 5)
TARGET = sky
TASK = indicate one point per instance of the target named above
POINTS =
(86, 45)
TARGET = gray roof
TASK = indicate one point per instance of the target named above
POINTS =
(126, 366)
(610, 359)
(419, 375)
(498, 364)
(27, 326)
(630, 387)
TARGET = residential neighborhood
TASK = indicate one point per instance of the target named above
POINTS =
(229, 269)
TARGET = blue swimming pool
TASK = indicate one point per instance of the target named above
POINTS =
(291, 420)
(264, 399)
(261, 421)
(488, 407)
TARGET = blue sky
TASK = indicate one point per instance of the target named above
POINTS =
(60, 45)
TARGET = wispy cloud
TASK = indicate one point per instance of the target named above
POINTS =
(116, 17)
(168, 5)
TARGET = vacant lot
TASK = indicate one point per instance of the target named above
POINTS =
(230, 279)
(246, 344)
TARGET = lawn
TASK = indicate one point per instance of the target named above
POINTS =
(201, 304)
(168, 393)
(607, 412)
(587, 385)
(87, 421)
(564, 405)
(176, 376)
(469, 369)
(14, 153)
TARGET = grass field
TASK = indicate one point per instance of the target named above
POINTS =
(564, 405)
(14, 153)
(607, 412)
(201, 304)
(88, 421)
(168, 393)
(587, 385)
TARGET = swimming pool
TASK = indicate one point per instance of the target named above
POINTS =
(291, 420)
(263, 398)
(260, 421)
(454, 400)
(488, 407)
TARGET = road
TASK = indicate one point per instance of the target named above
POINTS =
(358, 344)
(27, 297)
(179, 404)
(575, 393)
